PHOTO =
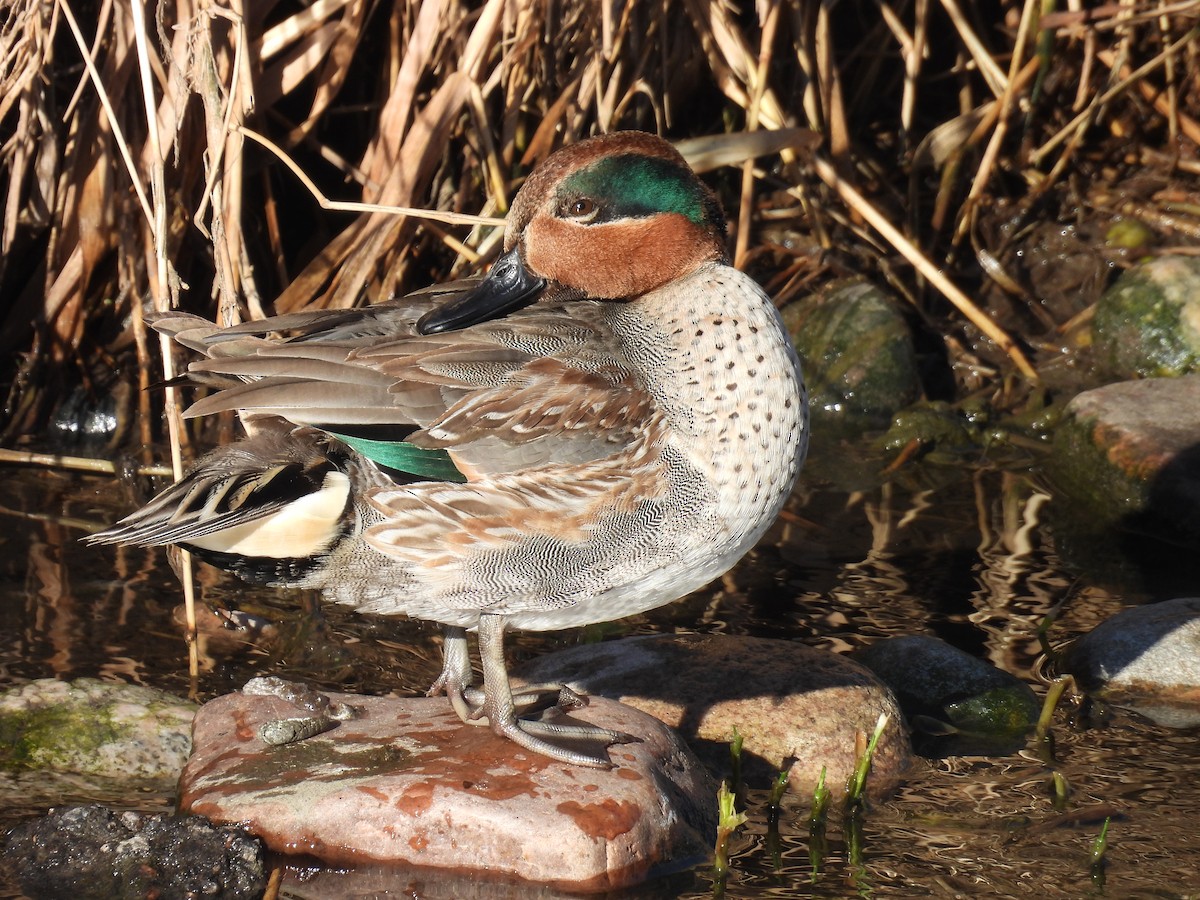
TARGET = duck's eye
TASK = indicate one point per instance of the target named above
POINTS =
(583, 208)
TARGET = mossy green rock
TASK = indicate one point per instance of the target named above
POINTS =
(1148, 323)
(857, 351)
(95, 728)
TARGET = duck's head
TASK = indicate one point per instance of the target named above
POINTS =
(610, 218)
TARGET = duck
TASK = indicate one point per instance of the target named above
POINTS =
(606, 421)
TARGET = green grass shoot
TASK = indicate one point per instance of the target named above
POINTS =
(818, 844)
(728, 821)
(862, 768)
(735, 759)
(1100, 844)
(1053, 695)
(1060, 790)
(776, 797)
(1096, 869)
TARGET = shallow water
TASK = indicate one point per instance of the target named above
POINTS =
(965, 552)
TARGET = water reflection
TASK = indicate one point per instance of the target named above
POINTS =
(967, 555)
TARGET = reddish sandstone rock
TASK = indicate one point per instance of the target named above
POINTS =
(405, 783)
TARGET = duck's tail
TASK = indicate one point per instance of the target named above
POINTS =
(269, 509)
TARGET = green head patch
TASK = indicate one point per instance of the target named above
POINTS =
(634, 186)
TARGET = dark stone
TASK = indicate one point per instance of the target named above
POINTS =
(90, 852)
(857, 352)
(958, 704)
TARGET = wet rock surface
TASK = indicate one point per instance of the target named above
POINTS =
(1146, 659)
(796, 708)
(405, 784)
(958, 704)
(104, 729)
(1129, 454)
(94, 853)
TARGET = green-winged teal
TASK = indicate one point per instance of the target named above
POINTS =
(605, 422)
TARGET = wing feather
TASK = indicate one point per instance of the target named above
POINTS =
(545, 385)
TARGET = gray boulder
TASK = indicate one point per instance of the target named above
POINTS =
(1146, 659)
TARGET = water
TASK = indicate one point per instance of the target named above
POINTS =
(964, 552)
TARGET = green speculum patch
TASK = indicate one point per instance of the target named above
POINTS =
(404, 457)
(636, 186)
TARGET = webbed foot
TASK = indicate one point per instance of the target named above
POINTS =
(500, 708)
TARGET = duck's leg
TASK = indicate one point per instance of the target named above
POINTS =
(501, 712)
(455, 682)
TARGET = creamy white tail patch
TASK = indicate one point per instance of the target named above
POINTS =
(305, 527)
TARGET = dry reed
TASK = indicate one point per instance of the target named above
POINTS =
(243, 158)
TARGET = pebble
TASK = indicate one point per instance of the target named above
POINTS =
(959, 704)
(1148, 323)
(857, 353)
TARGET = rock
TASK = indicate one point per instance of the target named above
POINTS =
(404, 783)
(92, 852)
(1126, 454)
(795, 707)
(94, 419)
(1146, 659)
(857, 351)
(958, 704)
(935, 423)
(1148, 323)
(116, 731)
